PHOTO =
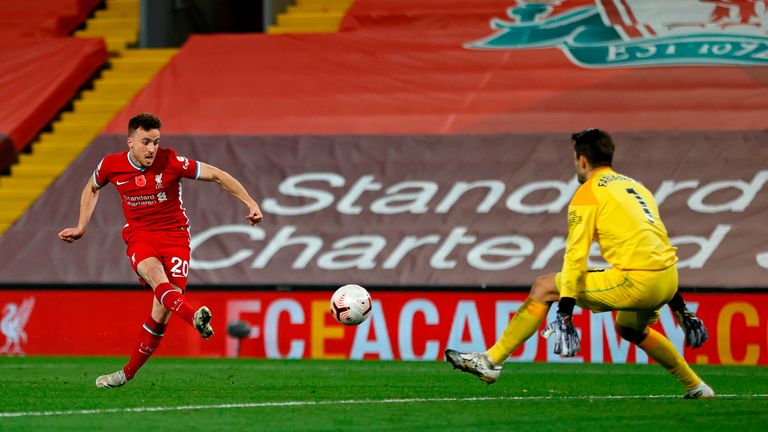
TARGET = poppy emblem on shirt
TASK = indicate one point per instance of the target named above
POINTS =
(140, 180)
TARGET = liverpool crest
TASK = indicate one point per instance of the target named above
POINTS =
(624, 33)
(159, 181)
(15, 317)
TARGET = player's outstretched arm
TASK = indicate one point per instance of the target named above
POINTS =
(88, 201)
(231, 185)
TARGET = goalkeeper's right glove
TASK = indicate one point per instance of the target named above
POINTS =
(695, 332)
(566, 337)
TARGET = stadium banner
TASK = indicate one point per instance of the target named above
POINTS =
(458, 210)
(590, 33)
(403, 325)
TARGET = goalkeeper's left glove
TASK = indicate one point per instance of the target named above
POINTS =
(566, 336)
(695, 332)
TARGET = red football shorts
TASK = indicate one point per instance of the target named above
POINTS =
(171, 247)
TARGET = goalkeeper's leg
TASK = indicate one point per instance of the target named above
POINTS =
(661, 349)
(527, 319)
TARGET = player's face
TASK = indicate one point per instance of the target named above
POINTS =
(143, 145)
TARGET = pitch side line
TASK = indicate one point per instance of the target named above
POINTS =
(347, 402)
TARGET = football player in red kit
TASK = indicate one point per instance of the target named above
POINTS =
(148, 179)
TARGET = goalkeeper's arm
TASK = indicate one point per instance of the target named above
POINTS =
(695, 331)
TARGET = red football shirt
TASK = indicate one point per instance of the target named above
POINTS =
(151, 197)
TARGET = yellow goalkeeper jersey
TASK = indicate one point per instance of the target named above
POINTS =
(621, 215)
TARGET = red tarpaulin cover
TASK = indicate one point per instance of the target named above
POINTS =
(35, 18)
(38, 77)
(371, 82)
(423, 16)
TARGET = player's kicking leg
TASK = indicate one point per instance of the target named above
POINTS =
(172, 297)
(202, 322)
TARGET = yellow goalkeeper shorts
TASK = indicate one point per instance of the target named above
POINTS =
(637, 295)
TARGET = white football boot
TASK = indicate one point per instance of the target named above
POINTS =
(701, 391)
(475, 363)
(115, 379)
(202, 322)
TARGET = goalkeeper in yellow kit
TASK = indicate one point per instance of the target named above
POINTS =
(621, 215)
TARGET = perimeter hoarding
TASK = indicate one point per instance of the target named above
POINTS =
(467, 210)
(415, 325)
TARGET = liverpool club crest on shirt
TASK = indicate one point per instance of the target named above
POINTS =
(159, 181)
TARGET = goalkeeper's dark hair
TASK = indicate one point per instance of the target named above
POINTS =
(146, 121)
(595, 145)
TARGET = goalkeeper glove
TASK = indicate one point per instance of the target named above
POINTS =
(695, 332)
(566, 337)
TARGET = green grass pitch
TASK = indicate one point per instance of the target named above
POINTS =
(58, 393)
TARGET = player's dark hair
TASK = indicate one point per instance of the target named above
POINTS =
(146, 121)
(595, 145)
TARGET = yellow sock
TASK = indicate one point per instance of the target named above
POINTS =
(661, 349)
(525, 322)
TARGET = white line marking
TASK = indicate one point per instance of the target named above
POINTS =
(349, 402)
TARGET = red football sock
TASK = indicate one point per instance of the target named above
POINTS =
(149, 339)
(174, 301)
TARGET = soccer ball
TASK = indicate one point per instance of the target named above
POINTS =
(351, 304)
